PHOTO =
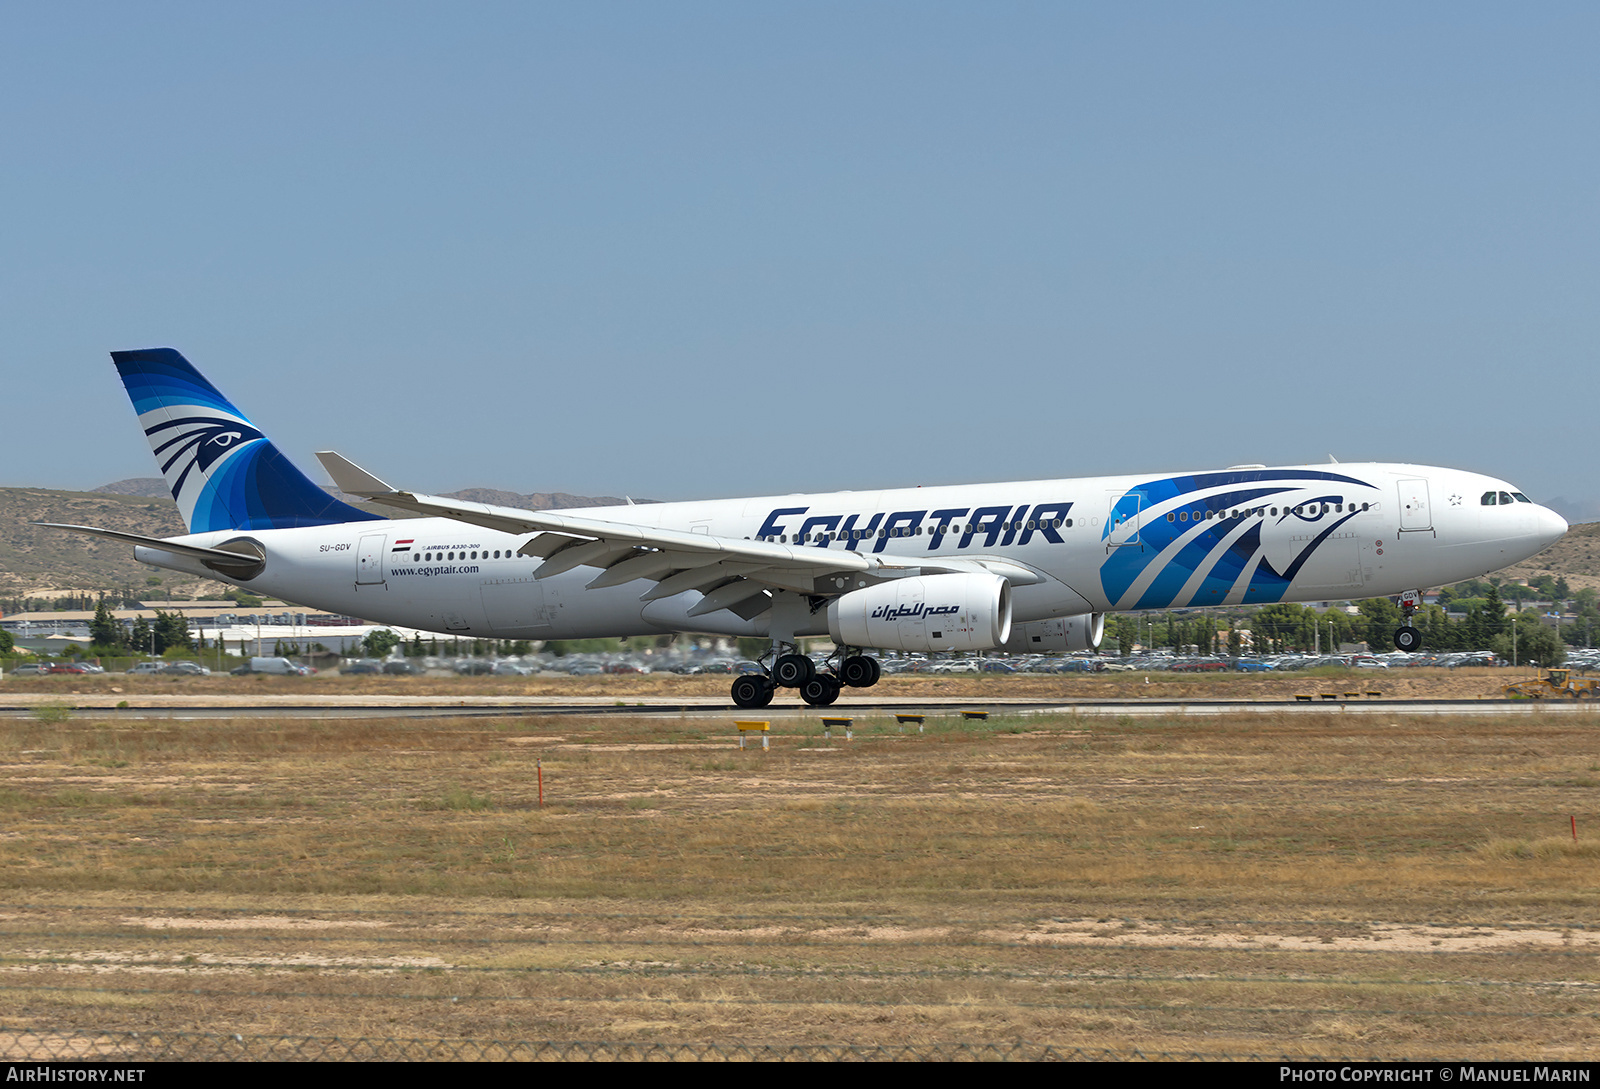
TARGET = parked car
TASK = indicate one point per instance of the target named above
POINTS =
(280, 667)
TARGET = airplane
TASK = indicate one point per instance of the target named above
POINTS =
(1024, 566)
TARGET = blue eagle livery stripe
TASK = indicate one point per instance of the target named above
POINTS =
(223, 472)
(1218, 557)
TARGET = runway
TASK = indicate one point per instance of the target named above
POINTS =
(303, 707)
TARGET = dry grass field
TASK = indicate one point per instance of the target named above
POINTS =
(1298, 885)
(110, 688)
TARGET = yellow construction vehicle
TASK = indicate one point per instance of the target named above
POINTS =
(1556, 684)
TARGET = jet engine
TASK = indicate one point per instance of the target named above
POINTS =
(1063, 633)
(928, 613)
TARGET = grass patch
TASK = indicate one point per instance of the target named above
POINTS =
(459, 799)
(1544, 849)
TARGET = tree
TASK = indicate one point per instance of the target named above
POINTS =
(1494, 614)
(1278, 627)
(171, 632)
(1438, 633)
(1382, 617)
(1124, 629)
(104, 631)
(1535, 643)
(379, 643)
(7, 644)
(140, 639)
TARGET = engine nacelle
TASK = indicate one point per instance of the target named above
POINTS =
(928, 613)
(1064, 633)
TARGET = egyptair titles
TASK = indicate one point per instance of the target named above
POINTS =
(956, 526)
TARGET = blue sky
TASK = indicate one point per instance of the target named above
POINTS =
(685, 250)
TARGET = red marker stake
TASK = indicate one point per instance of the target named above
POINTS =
(1574, 829)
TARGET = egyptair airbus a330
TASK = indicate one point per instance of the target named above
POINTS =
(1025, 566)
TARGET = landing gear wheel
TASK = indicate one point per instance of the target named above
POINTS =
(821, 690)
(751, 691)
(1407, 639)
(859, 671)
(793, 670)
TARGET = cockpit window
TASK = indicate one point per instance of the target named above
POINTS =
(1488, 499)
(1505, 499)
(1521, 498)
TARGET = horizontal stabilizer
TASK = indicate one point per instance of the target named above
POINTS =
(217, 556)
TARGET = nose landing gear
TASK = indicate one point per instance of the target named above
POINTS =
(1406, 637)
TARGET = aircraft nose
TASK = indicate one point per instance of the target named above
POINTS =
(1551, 527)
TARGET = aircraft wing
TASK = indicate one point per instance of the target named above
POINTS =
(729, 571)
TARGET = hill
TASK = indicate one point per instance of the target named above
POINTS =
(152, 487)
(1576, 558)
(33, 558)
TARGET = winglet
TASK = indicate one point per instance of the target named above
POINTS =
(351, 478)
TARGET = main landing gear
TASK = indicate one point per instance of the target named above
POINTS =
(1406, 637)
(818, 687)
(753, 690)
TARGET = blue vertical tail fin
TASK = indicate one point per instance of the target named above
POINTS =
(223, 472)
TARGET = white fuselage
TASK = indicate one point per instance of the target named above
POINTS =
(1246, 535)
